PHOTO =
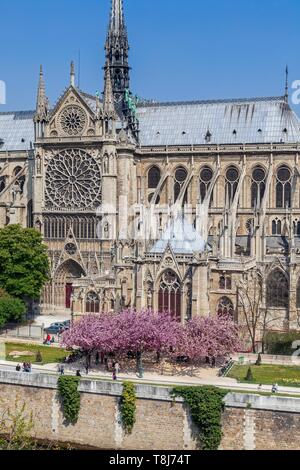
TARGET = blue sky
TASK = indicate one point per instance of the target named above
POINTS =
(180, 50)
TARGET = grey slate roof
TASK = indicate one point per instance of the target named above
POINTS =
(247, 121)
(261, 120)
(182, 237)
(16, 130)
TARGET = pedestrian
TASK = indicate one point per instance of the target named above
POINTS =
(213, 362)
(117, 368)
(78, 374)
(62, 370)
(114, 376)
(97, 358)
(18, 368)
(87, 369)
(274, 390)
(29, 367)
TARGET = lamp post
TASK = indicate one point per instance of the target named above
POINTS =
(72, 306)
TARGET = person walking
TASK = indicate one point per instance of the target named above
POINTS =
(114, 376)
(62, 370)
(18, 368)
(117, 368)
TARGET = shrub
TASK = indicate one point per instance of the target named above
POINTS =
(281, 343)
(249, 376)
(128, 406)
(68, 390)
(206, 406)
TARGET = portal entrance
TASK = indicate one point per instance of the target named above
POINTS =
(64, 280)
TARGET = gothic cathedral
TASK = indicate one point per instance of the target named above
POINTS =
(162, 205)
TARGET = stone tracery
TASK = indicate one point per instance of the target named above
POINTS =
(73, 181)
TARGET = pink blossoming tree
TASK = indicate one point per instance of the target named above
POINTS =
(147, 331)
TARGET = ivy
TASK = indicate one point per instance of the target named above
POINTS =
(70, 396)
(128, 406)
(206, 406)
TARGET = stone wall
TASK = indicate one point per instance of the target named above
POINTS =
(249, 421)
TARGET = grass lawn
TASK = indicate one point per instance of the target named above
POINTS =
(268, 374)
(49, 354)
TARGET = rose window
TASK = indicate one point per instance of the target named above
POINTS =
(73, 120)
(70, 249)
(73, 181)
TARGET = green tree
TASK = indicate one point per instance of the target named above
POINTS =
(11, 309)
(24, 263)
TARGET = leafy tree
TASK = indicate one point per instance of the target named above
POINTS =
(11, 309)
(24, 264)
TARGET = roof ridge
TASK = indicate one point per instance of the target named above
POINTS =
(229, 100)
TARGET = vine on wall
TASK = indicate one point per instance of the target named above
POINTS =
(206, 406)
(68, 391)
(128, 406)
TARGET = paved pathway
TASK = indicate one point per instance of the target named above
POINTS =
(150, 378)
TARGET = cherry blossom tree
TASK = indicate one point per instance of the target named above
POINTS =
(213, 336)
(148, 331)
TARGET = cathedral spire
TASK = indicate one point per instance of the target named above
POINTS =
(286, 95)
(72, 74)
(117, 49)
(108, 98)
(42, 101)
(117, 22)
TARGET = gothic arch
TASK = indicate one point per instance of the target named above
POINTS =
(277, 290)
(92, 302)
(154, 176)
(206, 177)
(180, 176)
(64, 278)
(169, 293)
(283, 186)
(232, 178)
(225, 307)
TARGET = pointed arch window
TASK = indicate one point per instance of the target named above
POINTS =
(153, 177)
(206, 176)
(232, 181)
(225, 307)
(92, 303)
(277, 290)
(169, 295)
(276, 227)
(258, 185)
(296, 227)
(180, 177)
(283, 187)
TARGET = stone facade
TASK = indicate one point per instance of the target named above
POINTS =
(106, 179)
(270, 423)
